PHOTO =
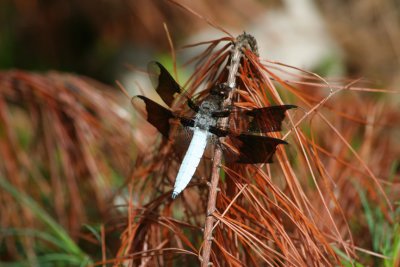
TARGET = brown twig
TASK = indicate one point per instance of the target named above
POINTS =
(243, 40)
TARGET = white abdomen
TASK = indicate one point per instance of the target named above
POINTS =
(190, 161)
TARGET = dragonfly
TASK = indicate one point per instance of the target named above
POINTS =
(250, 145)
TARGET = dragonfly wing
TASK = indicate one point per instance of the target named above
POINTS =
(251, 149)
(260, 120)
(163, 82)
(157, 115)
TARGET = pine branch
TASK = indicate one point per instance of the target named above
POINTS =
(242, 41)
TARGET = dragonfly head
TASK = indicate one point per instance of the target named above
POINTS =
(221, 90)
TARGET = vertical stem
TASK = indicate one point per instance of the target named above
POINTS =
(212, 197)
(241, 41)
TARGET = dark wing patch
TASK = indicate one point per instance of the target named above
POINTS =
(259, 120)
(163, 82)
(187, 122)
(267, 119)
(158, 116)
(251, 149)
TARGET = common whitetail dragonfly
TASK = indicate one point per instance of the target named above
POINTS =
(249, 148)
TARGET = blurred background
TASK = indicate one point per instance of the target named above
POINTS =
(97, 38)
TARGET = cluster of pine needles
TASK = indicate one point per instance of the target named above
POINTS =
(67, 157)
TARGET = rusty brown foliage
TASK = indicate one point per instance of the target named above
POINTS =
(63, 138)
(290, 213)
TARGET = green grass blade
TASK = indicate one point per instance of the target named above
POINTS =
(32, 233)
(64, 240)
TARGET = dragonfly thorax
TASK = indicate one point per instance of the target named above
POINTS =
(204, 118)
